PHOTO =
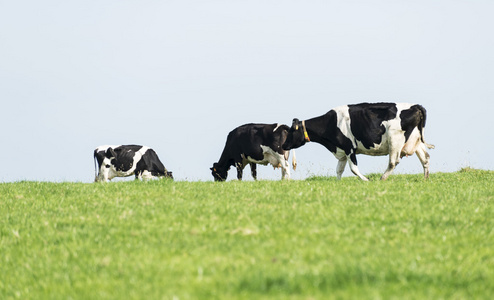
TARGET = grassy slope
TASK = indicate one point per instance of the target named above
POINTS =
(319, 238)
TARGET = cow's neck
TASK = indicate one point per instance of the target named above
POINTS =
(318, 129)
(226, 160)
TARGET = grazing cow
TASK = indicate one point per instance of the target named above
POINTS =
(375, 129)
(128, 160)
(254, 144)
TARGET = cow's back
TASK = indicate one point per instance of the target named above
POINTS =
(367, 122)
(151, 162)
(249, 137)
(371, 127)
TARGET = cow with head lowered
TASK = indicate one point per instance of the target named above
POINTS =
(394, 129)
(254, 144)
(128, 160)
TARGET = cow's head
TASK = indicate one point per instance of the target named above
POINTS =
(106, 161)
(296, 136)
(219, 174)
(168, 175)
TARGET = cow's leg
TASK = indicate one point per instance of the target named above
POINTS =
(101, 178)
(424, 158)
(146, 175)
(240, 170)
(341, 167)
(394, 160)
(285, 169)
(396, 145)
(352, 161)
(285, 166)
(103, 175)
(253, 170)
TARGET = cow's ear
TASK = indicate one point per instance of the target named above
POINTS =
(295, 123)
(110, 153)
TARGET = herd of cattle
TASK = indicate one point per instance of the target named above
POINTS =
(394, 129)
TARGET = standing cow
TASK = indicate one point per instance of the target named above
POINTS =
(374, 129)
(254, 144)
(128, 160)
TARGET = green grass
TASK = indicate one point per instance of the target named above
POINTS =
(320, 238)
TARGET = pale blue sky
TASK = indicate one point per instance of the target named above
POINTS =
(179, 75)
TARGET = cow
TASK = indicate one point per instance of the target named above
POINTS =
(394, 129)
(254, 144)
(128, 160)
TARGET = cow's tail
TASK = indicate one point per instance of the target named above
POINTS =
(422, 126)
(95, 168)
(294, 160)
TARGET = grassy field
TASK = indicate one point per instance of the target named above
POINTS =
(320, 238)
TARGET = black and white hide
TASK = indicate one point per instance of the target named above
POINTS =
(128, 160)
(254, 144)
(394, 129)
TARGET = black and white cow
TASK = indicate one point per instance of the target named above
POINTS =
(128, 160)
(254, 144)
(375, 129)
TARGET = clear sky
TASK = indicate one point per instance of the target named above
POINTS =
(179, 75)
